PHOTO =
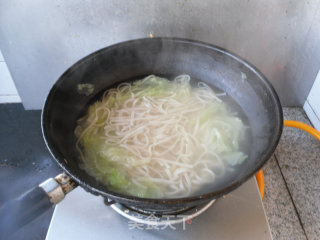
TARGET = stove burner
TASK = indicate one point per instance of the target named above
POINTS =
(148, 218)
(146, 211)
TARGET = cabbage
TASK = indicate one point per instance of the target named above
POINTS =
(234, 158)
(111, 164)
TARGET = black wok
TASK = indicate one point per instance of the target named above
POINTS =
(166, 57)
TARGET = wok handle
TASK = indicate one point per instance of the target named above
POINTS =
(18, 212)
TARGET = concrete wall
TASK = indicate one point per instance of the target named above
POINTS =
(41, 39)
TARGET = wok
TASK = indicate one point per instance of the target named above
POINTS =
(126, 61)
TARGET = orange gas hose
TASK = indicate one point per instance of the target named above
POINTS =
(303, 126)
(287, 123)
(260, 181)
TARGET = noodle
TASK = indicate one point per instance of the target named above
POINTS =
(159, 138)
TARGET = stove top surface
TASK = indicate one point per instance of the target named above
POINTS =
(238, 215)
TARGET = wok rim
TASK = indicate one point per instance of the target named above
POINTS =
(164, 201)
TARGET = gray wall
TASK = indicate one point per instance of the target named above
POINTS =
(41, 39)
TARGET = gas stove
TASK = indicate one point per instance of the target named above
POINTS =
(238, 215)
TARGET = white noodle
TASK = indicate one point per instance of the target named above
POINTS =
(162, 145)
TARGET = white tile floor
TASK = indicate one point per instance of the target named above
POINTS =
(8, 91)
